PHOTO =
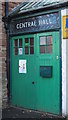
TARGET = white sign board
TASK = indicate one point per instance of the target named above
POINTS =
(22, 66)
(20, 51)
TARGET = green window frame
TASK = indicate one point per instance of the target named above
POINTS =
(29, 46)
(46, 44)
(18, 46)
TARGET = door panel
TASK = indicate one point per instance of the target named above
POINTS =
(49, 87)
(39, 87)
(23, 84)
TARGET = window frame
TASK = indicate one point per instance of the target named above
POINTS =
(46, 44)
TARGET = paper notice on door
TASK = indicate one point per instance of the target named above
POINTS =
(20, 51)
(22, 66)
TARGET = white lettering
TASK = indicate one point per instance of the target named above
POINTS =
(40, 22)
(47, 21)
(28, 24)
(17, 26)
(20, 25)
(32, 24)
(50, 21)
(23, 25)
(43, 22)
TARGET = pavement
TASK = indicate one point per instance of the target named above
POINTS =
(21, 113)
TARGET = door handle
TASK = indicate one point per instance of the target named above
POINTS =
(33, 82)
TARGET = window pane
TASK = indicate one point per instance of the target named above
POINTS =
(16, 42)
(49, 40)
(16, 51)
(26, 50)
(42, 40)
(31, 50)
(26, 42)
(49, 49)
(20, 43)
(31, 41)
(42, 49)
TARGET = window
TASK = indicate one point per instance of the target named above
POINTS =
(16, 51)
(49, 44)
(29, 45)
(26, 46)
(45, 44)
(42, 44)
(16, 43)
(16, 46)
(20, 47)
(20, 43)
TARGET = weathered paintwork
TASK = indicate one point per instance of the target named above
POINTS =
(30, 90)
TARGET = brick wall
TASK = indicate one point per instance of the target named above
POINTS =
(11, 6)
(3, 50)
(4, 73)
(0, 60)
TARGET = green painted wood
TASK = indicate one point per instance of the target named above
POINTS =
(23, 91)
(44, 95)
(49, 88)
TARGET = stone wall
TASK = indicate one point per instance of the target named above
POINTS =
(3, 52)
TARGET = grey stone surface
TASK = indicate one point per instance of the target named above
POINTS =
(14, 112)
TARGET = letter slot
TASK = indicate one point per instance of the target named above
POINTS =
(46, 71)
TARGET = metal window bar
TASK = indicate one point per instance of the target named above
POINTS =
(36, 3)
(31, 5)
(27, 4)
(42, 3)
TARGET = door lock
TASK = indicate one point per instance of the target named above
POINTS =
(33, 82)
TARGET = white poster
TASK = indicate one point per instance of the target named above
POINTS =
(20, 51)
(22, 66)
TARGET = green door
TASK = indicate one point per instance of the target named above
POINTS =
(23, 77)
(48, 72)
(35, 71)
